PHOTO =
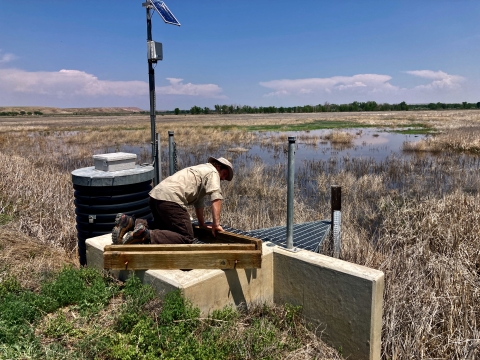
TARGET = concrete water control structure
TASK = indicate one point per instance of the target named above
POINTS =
(343, 301)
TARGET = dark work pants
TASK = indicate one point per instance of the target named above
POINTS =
(171, 223)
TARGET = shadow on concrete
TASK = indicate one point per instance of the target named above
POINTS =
(235, 288)
(250, 273)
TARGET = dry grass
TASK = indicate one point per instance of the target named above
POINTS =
(69, 111)
(339, 137)
(238, 150)
(311, 347)
(442, 120)
(39, 198)
(463, 139)
(416, 219)
(403, 218)
(430, 251)
(28, 259)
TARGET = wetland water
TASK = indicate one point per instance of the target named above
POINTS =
(369, 143)
(371, 151)
(271, 149)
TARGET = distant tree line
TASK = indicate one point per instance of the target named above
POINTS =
(326, 107)
(20, 113)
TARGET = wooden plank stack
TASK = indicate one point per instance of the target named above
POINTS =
(224, 251)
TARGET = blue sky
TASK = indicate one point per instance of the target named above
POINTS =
(260, 53)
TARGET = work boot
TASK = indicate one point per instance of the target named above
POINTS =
(123, 223)
(139, 235)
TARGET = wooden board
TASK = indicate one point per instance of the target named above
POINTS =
(225, 237)
(206, 259)
(180, 247)
(224, 251)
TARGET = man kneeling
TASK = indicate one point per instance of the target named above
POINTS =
(169, 200)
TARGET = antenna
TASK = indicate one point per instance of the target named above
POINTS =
(154, 54)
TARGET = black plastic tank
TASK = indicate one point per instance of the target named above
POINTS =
(100, 195)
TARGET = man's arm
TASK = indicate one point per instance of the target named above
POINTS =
(200, 217)
(216, 207)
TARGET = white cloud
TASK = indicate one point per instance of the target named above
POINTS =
(441, 80)
(357, 83)
(67, 83)
(71, 83)
(177, 87)
(368, 87)
(4, 58)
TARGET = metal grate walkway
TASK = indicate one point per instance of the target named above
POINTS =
(308, 236)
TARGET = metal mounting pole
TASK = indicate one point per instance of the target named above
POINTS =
(151, 83)
(171, 162)
(336, 202)
(290, 186)
(159, 159)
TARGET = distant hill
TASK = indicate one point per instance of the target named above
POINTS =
(71, 111)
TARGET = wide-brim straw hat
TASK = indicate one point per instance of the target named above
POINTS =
(225, 162)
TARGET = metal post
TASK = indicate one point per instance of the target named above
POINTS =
(171, 162)
(336, 215)
(151, 83)
(290, 186)
(158, 161)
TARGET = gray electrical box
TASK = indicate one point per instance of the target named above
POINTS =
(154, 51)
(114, 161)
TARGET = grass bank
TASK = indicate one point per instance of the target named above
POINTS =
(84, 314)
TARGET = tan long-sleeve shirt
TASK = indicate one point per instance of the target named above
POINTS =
(189, 186)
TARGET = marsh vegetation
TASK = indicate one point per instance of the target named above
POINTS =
(413, 214)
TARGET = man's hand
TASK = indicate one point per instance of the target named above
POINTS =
(216, 229)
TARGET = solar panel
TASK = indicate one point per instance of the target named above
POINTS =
(164, 12)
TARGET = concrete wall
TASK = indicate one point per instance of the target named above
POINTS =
(207, 289)
(342, 299)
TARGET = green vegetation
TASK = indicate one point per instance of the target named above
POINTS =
(416, 131)
(21, 113)
(320, 125)
(5, 218)
(315, 125)
(76, 315)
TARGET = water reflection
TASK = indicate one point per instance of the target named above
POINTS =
(272, 148)
(372, 153)
(376, 144)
